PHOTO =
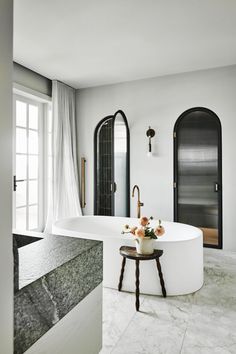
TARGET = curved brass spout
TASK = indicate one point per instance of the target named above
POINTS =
(139, 204)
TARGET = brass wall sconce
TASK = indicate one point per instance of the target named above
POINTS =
(82, 186)
(150, 134)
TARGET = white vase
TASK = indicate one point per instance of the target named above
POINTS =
(144, 245)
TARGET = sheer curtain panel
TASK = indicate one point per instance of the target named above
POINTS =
(64, 199)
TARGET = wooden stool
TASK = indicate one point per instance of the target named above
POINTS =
(131, 253)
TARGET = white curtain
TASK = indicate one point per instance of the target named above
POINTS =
(64, 199)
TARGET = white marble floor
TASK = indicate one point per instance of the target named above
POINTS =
(200, 323)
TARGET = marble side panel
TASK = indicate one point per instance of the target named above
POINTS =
(16, 265)
(79, 332)
(41, 304)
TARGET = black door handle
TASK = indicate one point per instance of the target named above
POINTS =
(113, 187)
(16, 180)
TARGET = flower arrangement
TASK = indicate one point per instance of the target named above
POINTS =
(145, 230)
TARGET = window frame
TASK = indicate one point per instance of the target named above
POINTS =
(44, 103)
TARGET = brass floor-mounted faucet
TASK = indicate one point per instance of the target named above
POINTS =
(139, 204)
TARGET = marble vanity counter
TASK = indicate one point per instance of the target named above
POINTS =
(43, 256)
(55, 274)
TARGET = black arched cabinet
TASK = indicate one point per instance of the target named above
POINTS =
(198, 173)
(112, 166)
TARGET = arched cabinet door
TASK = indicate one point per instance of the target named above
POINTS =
(111, 166)
(198, 173)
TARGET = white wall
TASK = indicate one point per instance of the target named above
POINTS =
(6, 261)
(159, 102)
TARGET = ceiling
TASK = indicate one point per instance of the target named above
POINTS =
(96, 42)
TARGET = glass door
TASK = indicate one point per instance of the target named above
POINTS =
(28, 164)
(198, 187)
(111, 166)
(104, 168)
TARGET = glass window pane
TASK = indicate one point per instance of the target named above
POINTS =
(21, 140)
(33, 117)
(21, 219)
(49, 185)
(33, 217)
(21, 163)
(33, 142)
(21, 113)
(49, 120)
(49, 144)
(20, 194)
(33, 166)
(33, 192)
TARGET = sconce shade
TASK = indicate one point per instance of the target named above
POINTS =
(150, 132)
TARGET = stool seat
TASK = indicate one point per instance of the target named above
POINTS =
(131, 253)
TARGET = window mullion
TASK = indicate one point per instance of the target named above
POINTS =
(27, 170)
(14, 160)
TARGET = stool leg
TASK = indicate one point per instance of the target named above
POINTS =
(137, 285)
(122, 274)
(161, 277)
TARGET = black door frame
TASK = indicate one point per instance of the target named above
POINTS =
(175, 183)
(113, 117)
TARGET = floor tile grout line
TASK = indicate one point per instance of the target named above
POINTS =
(192, 300)
(182, 344)
(188, 321)
(135, 313)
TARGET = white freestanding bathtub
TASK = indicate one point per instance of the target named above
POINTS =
(182, 260)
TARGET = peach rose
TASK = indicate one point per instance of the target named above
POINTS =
(139, 233)
(144, 221)
(133, 229)
(159, 231)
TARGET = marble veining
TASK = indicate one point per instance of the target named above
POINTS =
(199, 323)
(55, 318)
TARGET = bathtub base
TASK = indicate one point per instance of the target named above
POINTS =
(182, 268)
(181, 262)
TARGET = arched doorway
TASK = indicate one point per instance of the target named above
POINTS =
(198, 173)
(112, 166)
